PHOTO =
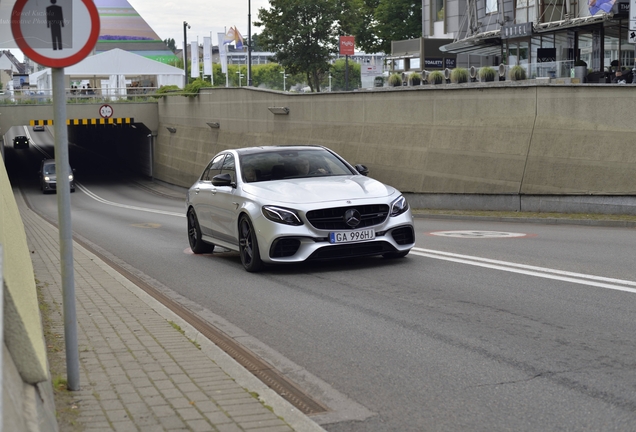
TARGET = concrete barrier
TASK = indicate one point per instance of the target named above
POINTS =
(521, 139)
(28, 395)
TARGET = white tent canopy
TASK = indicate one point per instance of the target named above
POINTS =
(113, 68)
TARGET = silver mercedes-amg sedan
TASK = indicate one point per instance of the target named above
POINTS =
(285, 204)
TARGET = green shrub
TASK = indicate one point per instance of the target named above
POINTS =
(580, 62)
(395, 80)
(436, 77)
(415, 78)
(164, 90)
(459, 75)
(487, 73)
(517, 73)
(192, 89)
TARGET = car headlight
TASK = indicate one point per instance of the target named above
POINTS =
(399, 206)
(47, 178)
(70, 176)
(282, 215)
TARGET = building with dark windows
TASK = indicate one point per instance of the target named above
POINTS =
(547, 37)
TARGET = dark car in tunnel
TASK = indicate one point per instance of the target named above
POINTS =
(48, 177)
(20, 142)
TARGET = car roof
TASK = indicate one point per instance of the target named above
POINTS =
(271, 149)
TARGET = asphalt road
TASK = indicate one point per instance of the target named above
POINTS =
(479, 330)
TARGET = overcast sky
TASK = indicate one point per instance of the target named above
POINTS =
(204, 16)
(166, 18)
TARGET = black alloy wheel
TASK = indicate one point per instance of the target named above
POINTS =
(197, 245)
(248, 246)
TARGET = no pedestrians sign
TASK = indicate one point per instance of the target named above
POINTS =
(55, 33)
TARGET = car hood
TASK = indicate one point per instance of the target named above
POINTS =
(319, 189)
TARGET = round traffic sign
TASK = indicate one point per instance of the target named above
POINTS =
(55, 33)
(106, 111)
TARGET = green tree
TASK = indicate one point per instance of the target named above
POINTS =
(172, 46)
(338, 80)
(381, 21)
(256, 43)
(303, 34)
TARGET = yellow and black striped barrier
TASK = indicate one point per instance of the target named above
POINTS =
(87, 122)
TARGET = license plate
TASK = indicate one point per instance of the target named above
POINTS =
(351, 236)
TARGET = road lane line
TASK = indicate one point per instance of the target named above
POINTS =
(114, 204)
(566, 276)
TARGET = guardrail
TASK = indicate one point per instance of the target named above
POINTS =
(77, 95)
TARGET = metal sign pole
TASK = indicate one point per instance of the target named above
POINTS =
(1, 336)
(347, 73)
(62, 168)
(631, 33)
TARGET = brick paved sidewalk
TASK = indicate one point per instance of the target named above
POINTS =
(138, 372)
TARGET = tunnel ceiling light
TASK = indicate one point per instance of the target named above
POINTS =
(213, 125)
(279, 110)
(171, 129)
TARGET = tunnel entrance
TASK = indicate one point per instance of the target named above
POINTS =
(131, 145)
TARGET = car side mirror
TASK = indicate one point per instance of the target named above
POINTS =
(222, 180)
(362, 169)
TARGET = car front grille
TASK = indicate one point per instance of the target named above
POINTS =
(352, 250)
(334, 218)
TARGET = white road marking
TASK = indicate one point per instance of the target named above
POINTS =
(114, 204)
(477, 234)
(579, 278)
(566, 276)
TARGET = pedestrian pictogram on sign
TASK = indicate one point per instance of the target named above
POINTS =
(55, 33)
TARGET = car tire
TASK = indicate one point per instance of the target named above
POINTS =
(197, 245)
(394, 255)
(248, 246)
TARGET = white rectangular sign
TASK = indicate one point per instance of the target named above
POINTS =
(207, 56)
(194, 53)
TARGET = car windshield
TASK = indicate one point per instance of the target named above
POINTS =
(286, 164)
(49, 169)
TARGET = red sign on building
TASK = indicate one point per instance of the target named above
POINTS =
(347, 44)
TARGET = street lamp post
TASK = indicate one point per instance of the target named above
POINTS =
(329, 83)
(185, 51)
(240, 75)
(249, 43)
(284, 83)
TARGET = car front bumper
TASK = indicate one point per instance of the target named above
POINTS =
(280, 243)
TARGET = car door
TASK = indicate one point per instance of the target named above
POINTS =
(203, 195)
(226, 204)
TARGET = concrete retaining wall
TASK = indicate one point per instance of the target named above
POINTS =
(27, 391)
(452, 141)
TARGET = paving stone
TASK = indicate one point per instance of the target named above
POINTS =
(230, 427)
(171, 422)
(199, 425)
(163, 410)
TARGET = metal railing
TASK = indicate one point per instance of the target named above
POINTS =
(79, 95)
